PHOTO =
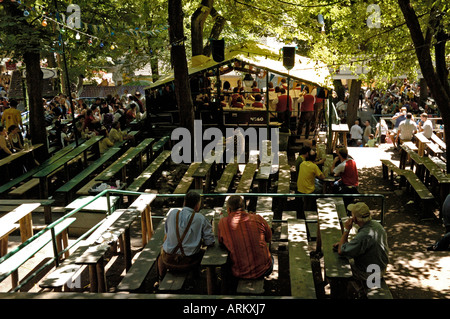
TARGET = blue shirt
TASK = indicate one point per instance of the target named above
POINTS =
(200, 229)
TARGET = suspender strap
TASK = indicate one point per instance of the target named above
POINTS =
(180, 240)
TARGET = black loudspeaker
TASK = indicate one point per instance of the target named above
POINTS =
(218, 50)
(288, 57)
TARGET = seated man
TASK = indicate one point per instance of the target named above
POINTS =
(346, 170)
(406, 130)
(369, 248)
(306, 180)
(245, 235)
(185, 232)
(348, 173)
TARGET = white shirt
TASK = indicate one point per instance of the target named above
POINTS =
(356, 132)
(407, 129)
(427, 128)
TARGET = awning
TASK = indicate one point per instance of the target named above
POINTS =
(264, 58)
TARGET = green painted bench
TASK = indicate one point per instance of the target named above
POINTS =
(68, 188)
(300, 271)
(150, 172)
(12, 261)
(129, 156)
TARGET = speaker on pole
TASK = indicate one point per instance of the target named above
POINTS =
(288, 57)
(218, 50)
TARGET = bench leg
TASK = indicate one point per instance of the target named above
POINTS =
(3, 246)
(101, 276)
(15, 278)
(26, 228)
(93, 278)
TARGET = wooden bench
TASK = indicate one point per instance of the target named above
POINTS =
(421, 191)
(284, 180)
(24, 177)
(337, 268)
(120, 165)
(439, 142)
(117, 165)
(68, 188)
(160, 145)
(68, 270)
(174, 280)
(150, 172)
(381, 292)
(50, 169)
(202, 176)
(145, 261)
(246, 180)
(7, 205)
(11, 264)
(300, 271)
(186, 181)
(22, 215)
(389, 169)
(434, 149)
(225, 181)
(23, 189)
(265, 167)
(416, 161)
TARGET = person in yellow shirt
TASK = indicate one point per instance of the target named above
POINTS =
(12, 116)
(306, 182)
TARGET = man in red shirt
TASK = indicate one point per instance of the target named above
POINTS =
(348, 173)
(282, 102)
(245, 235)
(306, 113)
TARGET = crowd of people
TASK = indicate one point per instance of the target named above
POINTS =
(109, 117)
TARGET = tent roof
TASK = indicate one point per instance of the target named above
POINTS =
(262, 57)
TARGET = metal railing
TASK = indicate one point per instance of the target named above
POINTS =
(107, 193)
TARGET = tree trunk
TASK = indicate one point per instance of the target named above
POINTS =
(197, 21)
(34, 80)
(180, 68)
(353, 102)
(340, 90)
(423, 92)
(436, 78)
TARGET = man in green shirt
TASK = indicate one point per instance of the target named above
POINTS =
(368, 249)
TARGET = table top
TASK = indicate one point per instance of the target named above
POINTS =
(14, 156)
(422, 138)
(339, 127)
(99, 205)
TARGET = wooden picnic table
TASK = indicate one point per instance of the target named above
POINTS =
(94, 255)
(438, 141)
(4, 162)
(337, 268)
(44, 173)
(202, 176)
(217, 255)
(10, 158)
(126, 158)
(422, 142)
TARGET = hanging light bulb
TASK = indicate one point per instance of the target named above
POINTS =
(101, 45)
(44, 23)
(77, 36)
(62, 30)
(26, 13)
(90, 41)
(112, 47)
